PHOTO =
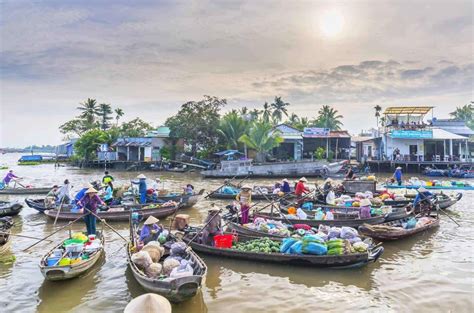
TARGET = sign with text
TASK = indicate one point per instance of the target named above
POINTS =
(412, 134)
(315, 132)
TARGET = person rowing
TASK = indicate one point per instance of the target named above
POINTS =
(9, 178)
(151, 230)
(89, 203)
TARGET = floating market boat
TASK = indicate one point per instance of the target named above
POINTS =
(117, 214)
(10, 208)
(308, 260)
(56, 271)
(175, 289)
(6, 224)
(394, 230)
(24, 191)
(38, 204)
(339, 220)
(230, 192)
(436, 187)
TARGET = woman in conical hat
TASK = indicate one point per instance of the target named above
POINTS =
(245, 198)
(148, 303)
(142, 188)
(150, 230)
(89, 204)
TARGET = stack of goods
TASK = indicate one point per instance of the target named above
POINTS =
(159, 205)
(262, 245)
(229, 190)
(319, 214)
(268, 226)
(74, 250)
(174, 266)
(327, 241)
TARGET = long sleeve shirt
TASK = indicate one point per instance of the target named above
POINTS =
(90, 203)
(65, 190)
(286, 187)
(300, 188)
(398, 175)
(8, 178)
(109, 193)
(422, 196)
(146, 231)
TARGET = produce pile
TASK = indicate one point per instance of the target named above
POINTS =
(262, 245)
(74, 250)
(268, 226)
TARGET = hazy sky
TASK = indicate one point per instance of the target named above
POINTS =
(149, 57)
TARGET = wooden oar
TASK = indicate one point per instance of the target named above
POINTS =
(69, 224)
(444, 212)
(105, 223)
(23, 236)
(210, 220)
(59, 210)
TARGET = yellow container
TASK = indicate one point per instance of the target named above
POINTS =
(75, 261)
(429, 183)
(65, 262)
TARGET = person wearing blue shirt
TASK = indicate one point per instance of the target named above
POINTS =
(141, 187)
(398, 175)
(423, 194)
(150, 230)
(286, 186)
(109, 193)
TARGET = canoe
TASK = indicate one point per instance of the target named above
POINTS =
(187, 201)
(38, 204)
(430, 187)
(338, 222)
(5, 238)
(241, 230)
(10, 208)
(394, 230)
(24, 191)
(307, 260)
(116, 214)
(65, 272)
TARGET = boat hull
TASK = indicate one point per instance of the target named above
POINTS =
(396, 234)
(430, 187)
(10, 208)
(24, 191)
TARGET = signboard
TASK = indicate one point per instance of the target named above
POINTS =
(412, 134)
(315, 132)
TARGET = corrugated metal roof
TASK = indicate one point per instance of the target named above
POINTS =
(407, 110)
(439, 133)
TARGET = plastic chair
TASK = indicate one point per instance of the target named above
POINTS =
(437, 158)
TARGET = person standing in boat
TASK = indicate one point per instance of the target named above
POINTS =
(109, 193)
(286, 186)
(9, 177)
(51, 197)
(64, 194)
(245, 198)
(142, 189)
(397, 175)
(150, 231)
(89, 203)
(107, 178)
(213, 227)
(365, 208)
(423, 198)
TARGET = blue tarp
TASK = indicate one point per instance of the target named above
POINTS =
(31, 158)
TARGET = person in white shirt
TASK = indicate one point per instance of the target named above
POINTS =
(64, 193)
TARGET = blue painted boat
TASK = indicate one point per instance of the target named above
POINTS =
(439, 187)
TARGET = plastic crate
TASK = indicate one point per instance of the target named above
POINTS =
(223, 241)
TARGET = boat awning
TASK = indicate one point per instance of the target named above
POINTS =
(407, 110)
(441, 134)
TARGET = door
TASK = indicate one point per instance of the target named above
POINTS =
(413, 152)
(369, 151)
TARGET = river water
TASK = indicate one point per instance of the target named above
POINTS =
(432, 272)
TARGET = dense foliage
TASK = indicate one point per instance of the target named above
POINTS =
(465, 114)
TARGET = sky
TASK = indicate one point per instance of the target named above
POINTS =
(149, 57)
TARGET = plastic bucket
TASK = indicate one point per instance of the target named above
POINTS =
(51, 261)
(223, 241)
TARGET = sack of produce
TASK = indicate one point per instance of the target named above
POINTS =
(323, 229)
(354, 240)
(348, 232)
(307, 206)
(178, 249)
(286, 245)
(411, 223)
(319, 215)
(334, 232)
(313, 238)
(297, 248)
(314, 248)
(154, 270)
(169, 264)
(331, 198)
(360, 247)
(329, 216)
(154, 252)
(183, 270)
(141, 259)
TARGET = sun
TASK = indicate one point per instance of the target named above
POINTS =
(331, 23)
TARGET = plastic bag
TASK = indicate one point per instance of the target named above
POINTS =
(307, 206)
(297, 248)
(178, 249)
(348, 232)
(334, 232)
(411, 223)
(169, 264)
(329, 215)
(323, 229)
(319, 215)
(286, 245)
(183, 270)
(360, 246)
(314, 248)
(331, 198)
(301, 214)
(154, 270)
(141, 259)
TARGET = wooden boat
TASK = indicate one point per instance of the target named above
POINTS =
(339, 220)
(10, 208)
(256, 195)
(331, 261)
(437, 187)
(116, 214)
(394, 230)
(5, 237)
(24, 191)
(38, 205)
(174, 289)
(241, 230)
(54, 273)
(187, 201)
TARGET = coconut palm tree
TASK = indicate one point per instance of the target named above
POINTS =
(266, 112)
(255, 114)
(231, 127)
(293, 119)
(89, 112)
(262, 138)
(104, 112)
(118, 114)
(328, 118)
(465, 113)
(279, 109)
(377, 108)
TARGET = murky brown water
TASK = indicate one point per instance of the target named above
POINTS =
(432, 272)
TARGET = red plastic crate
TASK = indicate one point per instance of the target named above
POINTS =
(223, 241)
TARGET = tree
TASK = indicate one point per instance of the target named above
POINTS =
(89, 112)
(266, 112)
(279, 109)
(231, 127)
(328, 118)
(244, 111)
(255, 114)
(73, 128)
(465, 114)
(87, 145)
(196, 122)
(293, 119)
(104, 112)
(118, 114)
(377, 108)
(262, 138)
(135, 128)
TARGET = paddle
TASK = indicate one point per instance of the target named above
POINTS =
(105, 223)
(59, 210)
(23, 236)
(208, 222)
(438, 208)
(69, 224)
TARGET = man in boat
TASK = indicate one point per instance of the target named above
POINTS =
(64, 193)
(151, 230)
(89, 204)
(107, 178)
(213, 227)
(51, 197)
(142, 189)
(245, 198)
(9, 177)
(423, 198)
(398, 175)
(350, 174)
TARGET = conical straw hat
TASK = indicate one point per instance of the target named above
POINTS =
(148, 303)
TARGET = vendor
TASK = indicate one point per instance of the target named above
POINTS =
(9, 177)
(300, 187)
(422, 195)
(51, 197)
(150, 230)
(156, 185)
(141, 187)
(213, 226)
(285, 186)
(189, 189)
(397, 175)
(64, 193)
(109, 193)
(245, 198)
(350, 174)
(365, 208)
(89, 204)
(107, 178)
(327, 186)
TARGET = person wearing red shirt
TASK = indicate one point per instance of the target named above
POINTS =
(300, 187)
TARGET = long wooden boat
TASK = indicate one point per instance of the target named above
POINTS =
(116, 214)
(437, 187)
(394, 230)
(5, 237)
(10, 208)
(25, 191)
(241, 230)
(54, 273)
(339, 221)
(331, 261)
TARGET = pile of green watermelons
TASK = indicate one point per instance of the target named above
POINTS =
(262, 245)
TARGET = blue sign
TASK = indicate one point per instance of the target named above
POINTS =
(412, 134)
